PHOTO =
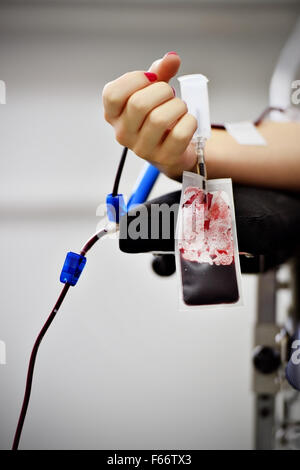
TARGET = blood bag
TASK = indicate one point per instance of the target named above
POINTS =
(206, 244)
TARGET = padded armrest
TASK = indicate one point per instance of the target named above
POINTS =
(268, 223)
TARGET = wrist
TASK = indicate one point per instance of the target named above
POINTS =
(215, 149)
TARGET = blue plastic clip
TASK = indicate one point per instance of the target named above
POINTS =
(116, 207)
(144, 184)
(72, 268)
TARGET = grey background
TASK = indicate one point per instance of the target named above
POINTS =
(121, 367)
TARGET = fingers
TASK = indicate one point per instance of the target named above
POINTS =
(142, 102)
(116, 93)
(167, 67)
(157, 124)
(149, 119)
(177, 142)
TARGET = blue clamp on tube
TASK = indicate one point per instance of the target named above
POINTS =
(72, 268)
(143, 186)
(116, 207)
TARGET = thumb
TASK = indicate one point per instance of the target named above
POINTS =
(166, 67)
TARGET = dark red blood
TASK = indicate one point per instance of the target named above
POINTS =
(192, 198)
(205, 284)
(209, 198)
(206, 224)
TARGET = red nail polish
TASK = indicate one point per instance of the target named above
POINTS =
(151, 76)
(172, 53)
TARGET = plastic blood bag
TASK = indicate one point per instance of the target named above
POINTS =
(206, 244)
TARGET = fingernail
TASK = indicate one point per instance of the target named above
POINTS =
(174, 91)
(171, 53)
(151, 76)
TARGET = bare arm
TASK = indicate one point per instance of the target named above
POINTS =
(155, 124)
(276, 165)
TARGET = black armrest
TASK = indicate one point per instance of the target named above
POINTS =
(268, 224)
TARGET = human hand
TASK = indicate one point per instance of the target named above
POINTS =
(149, 119)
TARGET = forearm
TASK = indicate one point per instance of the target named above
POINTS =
(157, 127)
(275, 165)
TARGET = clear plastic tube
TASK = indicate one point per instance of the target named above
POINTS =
(194, 92)
(206, 244)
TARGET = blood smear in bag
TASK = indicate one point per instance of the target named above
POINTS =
(207, 249)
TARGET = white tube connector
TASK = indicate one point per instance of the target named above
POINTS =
(194, 92)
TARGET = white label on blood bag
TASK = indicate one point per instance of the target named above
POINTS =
(245, 133)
